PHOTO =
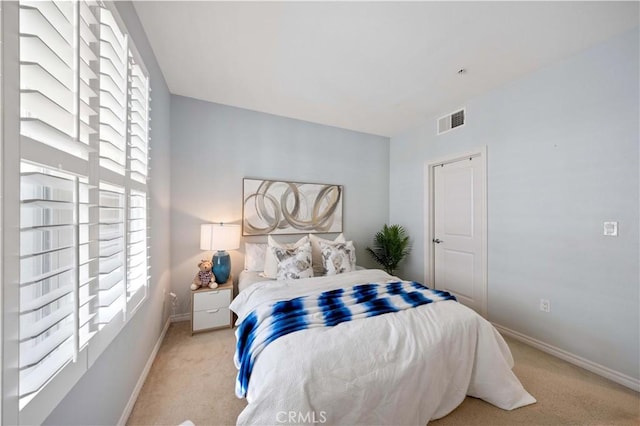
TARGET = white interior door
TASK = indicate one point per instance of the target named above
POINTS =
(458, 202)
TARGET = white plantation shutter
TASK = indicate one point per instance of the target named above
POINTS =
(58, 119)
(138, 250)
(112, 248)
(138, 242)
(88, 76)
(113, 94)
(83, 167)
(47, 76)
(88, 121)
(47, 270)
(139, 122)
(87, 265)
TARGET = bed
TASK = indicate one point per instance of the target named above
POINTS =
(405, 367)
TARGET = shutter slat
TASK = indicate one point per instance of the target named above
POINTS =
(41, 240)
(86, 34)
(108, 100)
(108, 118)
(32, 356)
(86, 53)
(86, 92)
(110, 295)
(107, 313)
(57, 38)
(109, 53)
(109, 69)
(37, 106)
(87, 15)
(34, 50)
(33, 327)
(138, 147)
(37, 79)
(111, 247)
(108, 28)
(108, 280)
(36, 295)
(35, 377)
(86, 73)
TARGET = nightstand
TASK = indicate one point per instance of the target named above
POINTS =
(210, 307)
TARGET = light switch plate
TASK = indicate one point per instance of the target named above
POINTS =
(611, 229)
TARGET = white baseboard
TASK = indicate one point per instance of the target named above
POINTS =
(143, 376)
(181, 317)
(601, 370)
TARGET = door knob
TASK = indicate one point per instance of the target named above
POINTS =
(437, 240)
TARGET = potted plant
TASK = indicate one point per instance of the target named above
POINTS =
(390, 246)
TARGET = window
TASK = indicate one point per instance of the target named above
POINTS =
(83, 265)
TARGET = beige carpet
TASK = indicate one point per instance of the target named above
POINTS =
(193, 378)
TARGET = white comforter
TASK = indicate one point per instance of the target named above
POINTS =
(406, 367)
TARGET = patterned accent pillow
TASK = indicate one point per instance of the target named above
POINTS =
(338, 258)
(293, 263)
(316, 252)
(270, 261)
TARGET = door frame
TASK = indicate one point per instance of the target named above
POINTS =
(429, 218)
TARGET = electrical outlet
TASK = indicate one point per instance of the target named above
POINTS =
(174, 303)
(611, 229)
(545, 305)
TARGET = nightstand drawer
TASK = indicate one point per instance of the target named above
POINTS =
(211, 300)
(210, 308)
(211, 318)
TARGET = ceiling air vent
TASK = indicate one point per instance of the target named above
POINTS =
(450, 121)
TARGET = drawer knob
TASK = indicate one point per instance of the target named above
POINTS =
(212, 311)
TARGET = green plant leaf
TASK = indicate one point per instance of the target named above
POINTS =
(390, 246)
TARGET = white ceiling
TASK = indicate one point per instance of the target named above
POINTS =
(379, 68)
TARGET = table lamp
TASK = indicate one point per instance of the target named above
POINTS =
(220, 237)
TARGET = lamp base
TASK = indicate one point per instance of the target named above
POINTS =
(221, 266)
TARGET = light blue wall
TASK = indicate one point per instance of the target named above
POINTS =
(562, 158)
(215, 146)
(102, 393)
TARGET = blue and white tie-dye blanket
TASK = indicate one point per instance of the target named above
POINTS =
(273, 320)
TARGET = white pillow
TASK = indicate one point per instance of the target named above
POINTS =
(338, 258)
(270, 261)
(254, 256)
(295, 263)
(318, 267)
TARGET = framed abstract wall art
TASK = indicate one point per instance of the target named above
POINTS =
(279, 207)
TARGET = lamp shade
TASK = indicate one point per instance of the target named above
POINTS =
(219, 237)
